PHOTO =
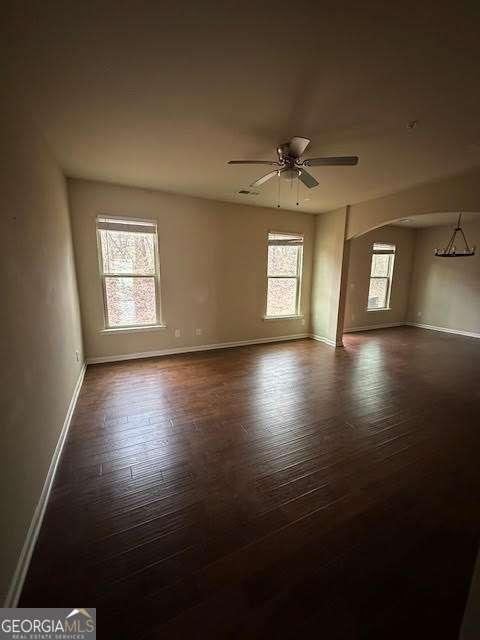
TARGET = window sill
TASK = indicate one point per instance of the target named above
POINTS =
(147, 327)
(295, 317)
(381, 309)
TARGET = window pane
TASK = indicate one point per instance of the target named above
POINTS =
(282, 297)
(282, 260)
(377, 294)
(380, 265)
(125, 252)
(130, 301)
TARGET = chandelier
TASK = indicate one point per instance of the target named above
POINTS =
(451, 251)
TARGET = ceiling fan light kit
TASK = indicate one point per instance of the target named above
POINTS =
(289, 174)
(451, 251)
(290, 165)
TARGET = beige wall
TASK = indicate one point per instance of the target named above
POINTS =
(458, 193)
(446, 291)
(39, 326)
(327, 274)
(356, 314)
(213, 261)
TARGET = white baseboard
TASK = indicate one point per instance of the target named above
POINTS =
(329, 341)
(469, 334)
(370, 327)
(23, 563)
(203, 347)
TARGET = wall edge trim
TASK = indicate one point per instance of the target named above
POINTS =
(191, 349)
(460, 332)
(369, 327)
(23, 562)
(329, 341)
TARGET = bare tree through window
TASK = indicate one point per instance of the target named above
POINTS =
(284, 271)
(129, 263)
(381, 273)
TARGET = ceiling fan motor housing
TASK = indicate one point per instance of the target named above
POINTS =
(282, 150)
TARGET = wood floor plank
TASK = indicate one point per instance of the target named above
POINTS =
(272, 491)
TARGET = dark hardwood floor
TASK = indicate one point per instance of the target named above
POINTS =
(278, 491)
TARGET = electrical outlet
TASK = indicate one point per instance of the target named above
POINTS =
(77, 355)
(303, 321)
(419, 314)
(198, 332)
(353, 316)
(178, 333)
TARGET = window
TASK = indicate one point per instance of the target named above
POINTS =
(129, 269)
(381, 276)
(284, 274)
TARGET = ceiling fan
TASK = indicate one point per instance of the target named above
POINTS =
(290, 164)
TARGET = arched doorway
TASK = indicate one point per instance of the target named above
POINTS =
(392, 277)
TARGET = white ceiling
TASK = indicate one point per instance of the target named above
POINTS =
(437, 220)
(162, 95)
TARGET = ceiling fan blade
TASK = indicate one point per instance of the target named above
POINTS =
(297, 146)
(330, 162)
(307, 179)
(271, 162)
(264, 178)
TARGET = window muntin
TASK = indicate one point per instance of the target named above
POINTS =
(284, 274)
(381, 272)
(129, 267)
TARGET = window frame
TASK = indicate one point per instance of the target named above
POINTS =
(297, 277)
(389, 277)
(107, 328)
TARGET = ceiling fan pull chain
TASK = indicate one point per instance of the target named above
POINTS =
(298, 188)
(278, 198)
